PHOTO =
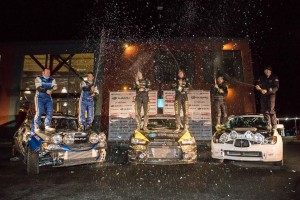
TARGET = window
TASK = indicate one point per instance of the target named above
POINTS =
(226, 63)
(167, 64)
(68, 71)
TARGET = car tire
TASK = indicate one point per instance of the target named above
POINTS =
(279, 163)
(32, 162)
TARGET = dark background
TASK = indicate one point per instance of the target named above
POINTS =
(272, 26)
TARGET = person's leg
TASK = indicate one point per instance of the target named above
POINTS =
(273, 112)
(264, 108)
(49, 114)
(138, 108)
(82, 109)
(146, 110)
(39, 110)
(217, 110)
(177, 105)
(185, 109)
(223, 109)
(90, 113)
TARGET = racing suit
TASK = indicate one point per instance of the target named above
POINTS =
(181, 100)
(86, 103)
(142, 99)
(43, 101)
(219, 103)
(267, 101)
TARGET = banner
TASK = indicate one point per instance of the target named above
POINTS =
(199, 112)
(122, 114)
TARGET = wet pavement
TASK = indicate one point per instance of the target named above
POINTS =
(118, 180)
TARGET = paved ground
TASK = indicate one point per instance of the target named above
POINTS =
(118, 180)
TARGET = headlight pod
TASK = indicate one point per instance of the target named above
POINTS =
(68, 139)
(137, 141)
(259, 138)
(102, 137)
(249, 135)
(233, 135)
(94, 138)
(56, 139)
(223, 138)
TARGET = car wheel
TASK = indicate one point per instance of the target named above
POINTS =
(218, 161)
(279, 163)
(32, 162)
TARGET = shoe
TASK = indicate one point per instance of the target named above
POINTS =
(49, 129)
(80, 128)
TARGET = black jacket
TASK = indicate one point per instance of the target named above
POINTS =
(216, 93)
(270, 84)
(184, 87)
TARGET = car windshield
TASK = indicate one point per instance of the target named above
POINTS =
(63, 123)
(246, 122)
(168, 123)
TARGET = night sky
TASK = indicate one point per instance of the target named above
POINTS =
(272, 26)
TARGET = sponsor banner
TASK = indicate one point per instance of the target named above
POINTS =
(122, 114)
(199, 112)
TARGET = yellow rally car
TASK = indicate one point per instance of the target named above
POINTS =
(161, 144)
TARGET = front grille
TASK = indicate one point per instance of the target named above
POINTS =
(241, 143)
(243, 153)
(164, 152)
(79, 140)
(78, 155)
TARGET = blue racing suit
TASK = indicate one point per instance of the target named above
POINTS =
(43, 101)
(86, 103)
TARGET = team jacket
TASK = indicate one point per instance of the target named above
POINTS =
(43, 84)
(85, 87)
(216, 92)
(270, 84)
(143, 83)
(181, 89)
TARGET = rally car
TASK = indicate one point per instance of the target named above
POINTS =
(161, 144)
(246, 138)
(65, 147)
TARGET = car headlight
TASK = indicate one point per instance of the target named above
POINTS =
(187, 138)
(139, 138)
(94, 138)
(188, 141)
(102, 137)
(56, 139)
(233, 135)
(137, 141)
(68, 139)
(259, 138)
(249, 135)
(271, 140)
(223, 138)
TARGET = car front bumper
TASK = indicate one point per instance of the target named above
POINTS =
(257, 152)
(168, 155)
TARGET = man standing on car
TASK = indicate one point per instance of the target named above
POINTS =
(181, 86)
(45, 85)
(219, 91)
(86, 102)
(268, 85)
(142, 86)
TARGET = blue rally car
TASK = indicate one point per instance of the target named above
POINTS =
(65, 147)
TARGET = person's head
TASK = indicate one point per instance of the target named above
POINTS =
(181, 73)
(46, 73)
(90, 77)
(220, 79)
(268, 71)
(139, 75)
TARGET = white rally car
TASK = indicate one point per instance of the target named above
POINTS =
(246, 138)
